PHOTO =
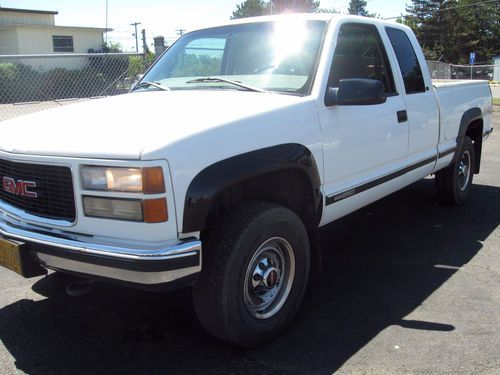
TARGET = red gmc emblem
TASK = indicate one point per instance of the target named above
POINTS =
(19, 187)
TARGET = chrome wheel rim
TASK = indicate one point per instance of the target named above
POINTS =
(464, 168)
(269, 278)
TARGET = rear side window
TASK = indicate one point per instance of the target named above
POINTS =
(407, 60)
(360, 53)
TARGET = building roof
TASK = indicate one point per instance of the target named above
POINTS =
(16, 10)
(28, 26)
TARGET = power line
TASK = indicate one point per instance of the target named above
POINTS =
(444, 9)
(180, 32)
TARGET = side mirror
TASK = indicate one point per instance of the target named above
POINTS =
(356, 91)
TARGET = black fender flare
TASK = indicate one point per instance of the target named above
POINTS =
(468, 117)
(208, 183)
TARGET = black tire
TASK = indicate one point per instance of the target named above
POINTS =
(223, 296)
(453, 184)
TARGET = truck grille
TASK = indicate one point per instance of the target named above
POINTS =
(54, 189)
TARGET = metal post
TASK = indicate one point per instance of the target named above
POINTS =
(136, 37)
(144, 43)
(159, 45)
(471, 72)
(106, 23)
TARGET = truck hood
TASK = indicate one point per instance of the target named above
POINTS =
(127, 126)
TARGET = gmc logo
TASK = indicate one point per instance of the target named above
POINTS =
(19, 187)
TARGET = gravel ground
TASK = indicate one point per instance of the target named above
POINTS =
(408, 286)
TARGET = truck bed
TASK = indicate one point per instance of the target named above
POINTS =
(455, 97)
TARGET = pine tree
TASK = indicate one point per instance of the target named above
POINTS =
(434, 27)
(249, 8)
(450, 29)
(294, 6)
(477, 29)
(357, 8)
(252, 8)
(327, 10)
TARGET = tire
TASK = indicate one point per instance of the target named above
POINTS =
(255, 270)
(453, 184)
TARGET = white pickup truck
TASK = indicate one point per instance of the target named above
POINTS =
(234, 148)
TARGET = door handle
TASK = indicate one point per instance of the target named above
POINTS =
(402, 116)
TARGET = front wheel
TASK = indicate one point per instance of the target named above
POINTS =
(453, 184)
(255, 271)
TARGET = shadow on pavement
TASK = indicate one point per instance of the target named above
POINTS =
(379, 265)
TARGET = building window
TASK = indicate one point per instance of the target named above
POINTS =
(63, 43)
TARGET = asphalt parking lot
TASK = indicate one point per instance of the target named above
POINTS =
(409, 286)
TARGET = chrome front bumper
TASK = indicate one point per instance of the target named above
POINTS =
(137, 266)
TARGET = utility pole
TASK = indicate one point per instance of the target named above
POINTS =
(136, 37)
(144, 43)
(180, 32)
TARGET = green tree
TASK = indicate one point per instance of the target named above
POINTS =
(249, 8)
(431, 25)
(476, 29)
(252, 8)
(293, 6)
(450, 29)
(327, 10)
(112, 47)
(358, 8)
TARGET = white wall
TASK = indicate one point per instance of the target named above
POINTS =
(16, 18)
(38, 40)
(8, 41)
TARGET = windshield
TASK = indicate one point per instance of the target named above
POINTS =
(278, 56)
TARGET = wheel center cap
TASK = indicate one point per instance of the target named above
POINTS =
(270, 278)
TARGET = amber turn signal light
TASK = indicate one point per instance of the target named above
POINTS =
(155, 210)
(152, 180)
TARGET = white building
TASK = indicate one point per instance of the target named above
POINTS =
(25, 31)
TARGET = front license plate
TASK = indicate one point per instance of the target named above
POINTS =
(10, 255)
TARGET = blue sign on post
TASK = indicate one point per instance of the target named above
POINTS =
(472, 58)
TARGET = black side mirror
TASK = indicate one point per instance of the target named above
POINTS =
(356, 91)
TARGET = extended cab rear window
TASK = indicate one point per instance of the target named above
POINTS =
(407, 60)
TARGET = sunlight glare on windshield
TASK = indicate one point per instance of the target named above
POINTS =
(289, 37)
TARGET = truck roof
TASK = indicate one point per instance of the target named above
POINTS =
(306, 17)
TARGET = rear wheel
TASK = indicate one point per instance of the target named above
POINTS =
(453, 184)
(255, 271)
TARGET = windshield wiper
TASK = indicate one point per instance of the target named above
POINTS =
(235, 83)
(149, 83)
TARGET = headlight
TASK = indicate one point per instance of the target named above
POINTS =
(146, 180)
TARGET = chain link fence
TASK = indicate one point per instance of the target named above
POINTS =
(440, 70)
(30, 83)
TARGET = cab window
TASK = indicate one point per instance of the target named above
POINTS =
(360, 53)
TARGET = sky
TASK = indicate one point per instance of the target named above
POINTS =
(163, 17)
